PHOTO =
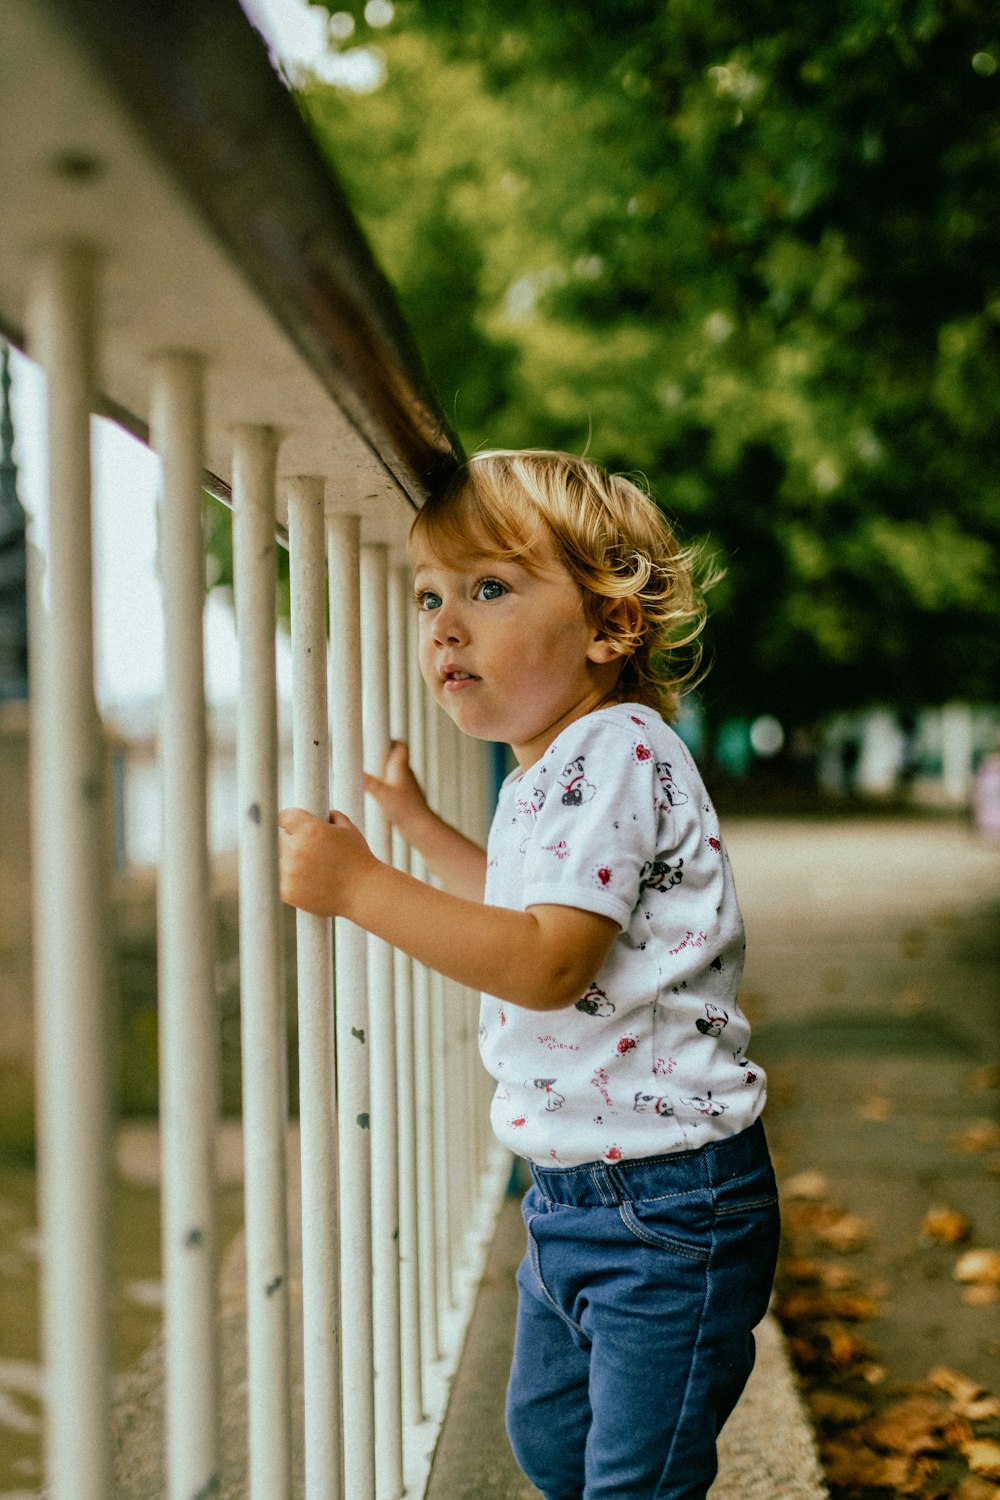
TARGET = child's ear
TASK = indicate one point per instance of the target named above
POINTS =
(620, 620)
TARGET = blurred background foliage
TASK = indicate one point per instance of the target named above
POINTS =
(747, 250)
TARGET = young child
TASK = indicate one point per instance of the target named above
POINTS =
(601, 925)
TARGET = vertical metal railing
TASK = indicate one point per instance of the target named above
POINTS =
(70, 927)
(403, 978)
(393, 1163)
(317, 1055)
(352, 1030)
(263, 1021)
(189, 1052)
(382, 1057)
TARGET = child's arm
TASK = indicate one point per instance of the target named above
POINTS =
(542, 959)
(459, 864)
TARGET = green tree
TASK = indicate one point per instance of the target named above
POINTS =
(746, 250)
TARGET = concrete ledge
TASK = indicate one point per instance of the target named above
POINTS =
(138, 1416)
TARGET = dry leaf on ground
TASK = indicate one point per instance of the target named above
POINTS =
(836, 1408)
(809, 1185)
(981, 1135)
(986, 1077)
(972, 1488)
(852, 1466)
(912, 1426)
(954, 1384)
(948, 1225)
(978, 1266)
(980, 1294)
(808, 1302)
(846, 1234)
(983, 1457)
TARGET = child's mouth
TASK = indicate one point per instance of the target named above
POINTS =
(453, 681)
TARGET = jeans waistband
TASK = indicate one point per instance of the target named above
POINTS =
(598, 1184)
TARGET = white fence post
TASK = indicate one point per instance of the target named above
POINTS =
(317, 1081)
(263, 1017)
(382, 1039)
(430, 1338)
(188, 1026)
(69, 835)
(439, 1112)
(400, 610)
(352, 1028)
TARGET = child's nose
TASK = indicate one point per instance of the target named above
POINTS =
(449, 626)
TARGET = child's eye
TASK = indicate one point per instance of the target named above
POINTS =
(490, 588)
(427, 600)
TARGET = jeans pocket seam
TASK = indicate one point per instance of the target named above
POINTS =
(658, 1241)
(746, 1205)
(536, 1265)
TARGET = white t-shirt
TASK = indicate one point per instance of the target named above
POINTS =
(652, 1058)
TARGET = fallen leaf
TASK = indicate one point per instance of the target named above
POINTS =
(837, 1277)
(809, 1185)
(875, 1108)
(846, 1234)
(956, 1432)
(983, 1457)
(986, 1077)
(972, 1488)
(948, 1225)
(981, 1294)
(851, 1467)
(835, 1408)
(844, 1347)
(809, 1302)
(800, 1268)
(981, 1135)
(912, 1426)
(978, 1266)
(980, 1409)
(954, 1384)
(859, 1470)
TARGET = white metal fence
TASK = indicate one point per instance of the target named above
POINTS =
(177, 255)
(395, 1168)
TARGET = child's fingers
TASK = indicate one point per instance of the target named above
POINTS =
(397, 761)
(292, 818)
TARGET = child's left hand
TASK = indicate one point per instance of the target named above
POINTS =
(321, 864)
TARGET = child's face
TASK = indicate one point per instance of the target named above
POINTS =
(506, 651)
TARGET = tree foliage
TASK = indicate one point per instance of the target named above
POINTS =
(746, 250)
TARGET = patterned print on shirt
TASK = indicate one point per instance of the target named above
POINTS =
(660, 875)
(576, 789)
(657, 1104)
(705, 1104)
(673, 795)
(595, 1002)
(554, 1101)
(714, 1021)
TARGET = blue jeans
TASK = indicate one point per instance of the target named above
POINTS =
(637, 1297)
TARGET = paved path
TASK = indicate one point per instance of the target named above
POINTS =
(873, 981)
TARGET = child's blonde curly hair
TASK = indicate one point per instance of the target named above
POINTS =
(611, 538)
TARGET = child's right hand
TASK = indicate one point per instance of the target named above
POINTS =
(399, 794)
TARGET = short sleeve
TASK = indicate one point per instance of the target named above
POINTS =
(594, 833)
